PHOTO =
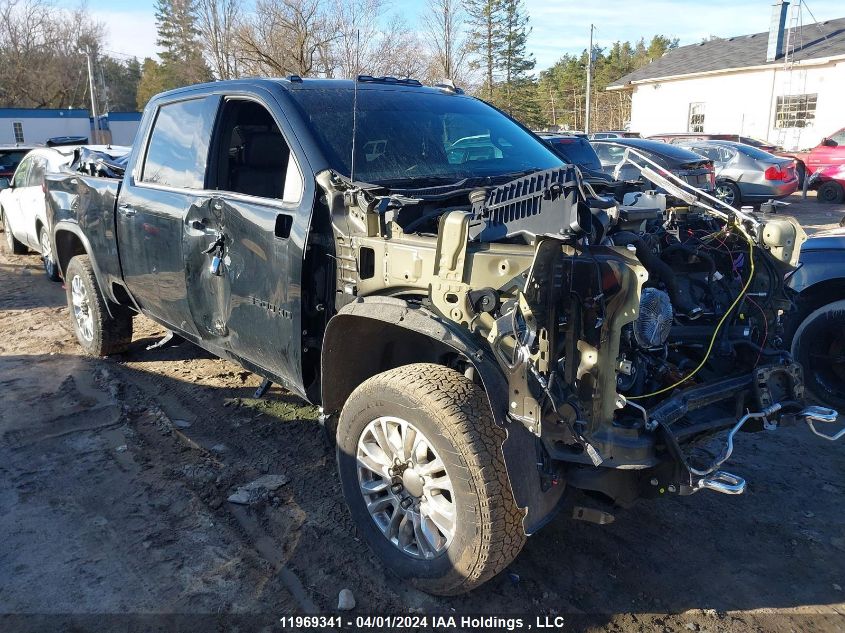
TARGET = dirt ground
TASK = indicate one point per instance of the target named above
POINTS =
(115, 474)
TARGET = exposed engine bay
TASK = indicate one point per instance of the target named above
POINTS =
(633, 334)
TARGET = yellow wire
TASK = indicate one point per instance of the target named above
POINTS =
(716, 331)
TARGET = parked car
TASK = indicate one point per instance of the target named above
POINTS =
(613, 134)
(473, 340)
(23, 206)
(815, 331)
(829, 184)
(829, 153)
(10, 157)
(688, 166)
(577, 151)
(686, 137)
(745, 174)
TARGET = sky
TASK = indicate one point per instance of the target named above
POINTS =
(559, 26)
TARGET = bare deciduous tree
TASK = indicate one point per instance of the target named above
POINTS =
(41, 62)
(357, 25)
(443, 24)
(399, 52)
(218, 24)
(287, 37)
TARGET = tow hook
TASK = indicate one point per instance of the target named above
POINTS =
(722, 481)
(824, 415)
(730, 484)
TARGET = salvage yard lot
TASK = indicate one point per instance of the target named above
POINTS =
(115, 475)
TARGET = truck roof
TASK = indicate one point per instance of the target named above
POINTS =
(295, 83)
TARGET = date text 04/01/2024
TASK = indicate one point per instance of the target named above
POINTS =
(417, 622)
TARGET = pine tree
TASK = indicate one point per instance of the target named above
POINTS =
(514, 62)
(486, 37)
(182, 61)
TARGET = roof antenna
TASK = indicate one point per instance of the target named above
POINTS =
(355, 103)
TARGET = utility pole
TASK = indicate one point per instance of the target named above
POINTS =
(95, 132)
(589, 80)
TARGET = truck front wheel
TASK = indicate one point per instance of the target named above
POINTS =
(819, 345)
(422, 472)
(98, 332)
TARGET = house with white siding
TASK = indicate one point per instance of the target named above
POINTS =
(785, 86)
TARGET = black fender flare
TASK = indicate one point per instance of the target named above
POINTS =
(361, 341)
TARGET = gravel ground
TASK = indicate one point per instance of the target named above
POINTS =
(115, 475)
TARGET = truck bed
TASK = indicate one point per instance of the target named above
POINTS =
(81, 212)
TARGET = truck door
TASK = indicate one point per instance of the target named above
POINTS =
(245, 292)
(168, 182)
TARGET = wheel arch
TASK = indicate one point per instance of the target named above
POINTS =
(813, 297)
(375, 334)
(68, 242)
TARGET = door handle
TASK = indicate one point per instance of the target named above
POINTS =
(126, 210)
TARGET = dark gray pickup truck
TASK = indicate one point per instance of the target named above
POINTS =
(487, 338)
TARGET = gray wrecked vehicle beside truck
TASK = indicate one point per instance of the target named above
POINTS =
(483, 333)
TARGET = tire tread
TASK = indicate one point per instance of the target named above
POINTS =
(463, 408)
(112, 332)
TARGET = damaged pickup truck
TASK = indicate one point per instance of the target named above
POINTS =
(483, 333)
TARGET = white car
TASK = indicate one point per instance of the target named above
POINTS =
(23, 204)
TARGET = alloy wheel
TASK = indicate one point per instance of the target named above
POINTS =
(725, 194)
(82, 308)
(47, 252)
(406, 488)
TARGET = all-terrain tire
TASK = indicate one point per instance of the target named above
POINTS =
(109, 333)
(819, 345)
(14, 246)
(454, 416)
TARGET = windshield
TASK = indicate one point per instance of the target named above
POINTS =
(406, 137)
(576, 150)
(9, 160)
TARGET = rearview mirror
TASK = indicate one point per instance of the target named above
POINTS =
(829, 142)
(5, 183)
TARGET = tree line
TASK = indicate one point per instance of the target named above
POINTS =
(481, 45)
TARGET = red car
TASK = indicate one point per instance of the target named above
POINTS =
(829, 153)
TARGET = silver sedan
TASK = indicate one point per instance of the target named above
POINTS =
(746, 174)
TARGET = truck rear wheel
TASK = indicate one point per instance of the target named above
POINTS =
(98, 332)
(422, 472)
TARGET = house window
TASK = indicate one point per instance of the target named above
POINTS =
(696, 118)
(17, 126)
(795, 111)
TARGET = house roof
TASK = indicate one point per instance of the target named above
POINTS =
(812, 41)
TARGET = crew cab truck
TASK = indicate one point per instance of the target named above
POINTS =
(482, 333)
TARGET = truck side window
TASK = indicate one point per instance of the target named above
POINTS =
(253, 157)
(178, 149)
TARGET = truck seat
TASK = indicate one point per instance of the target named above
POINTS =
(263, 164)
